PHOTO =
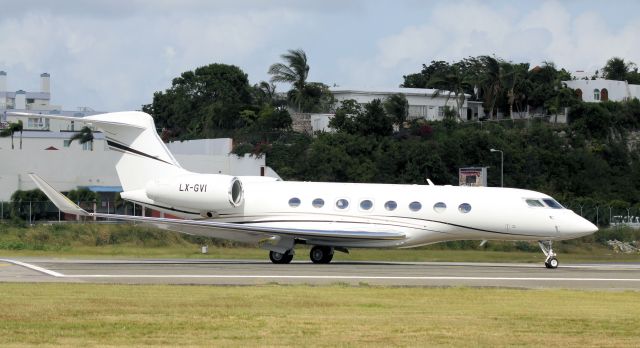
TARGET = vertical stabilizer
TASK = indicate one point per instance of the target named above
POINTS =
(144, 155)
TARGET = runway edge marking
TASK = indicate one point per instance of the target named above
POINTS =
(220, 276)
(35, 268)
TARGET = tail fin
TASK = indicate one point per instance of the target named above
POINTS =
(144, 155)
(133, 134)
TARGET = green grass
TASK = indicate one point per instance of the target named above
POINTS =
(124, 315)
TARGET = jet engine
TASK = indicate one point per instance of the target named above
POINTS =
(203, 192)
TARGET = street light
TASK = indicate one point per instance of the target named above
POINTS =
(501, 166)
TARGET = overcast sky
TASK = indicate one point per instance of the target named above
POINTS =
(112, 55)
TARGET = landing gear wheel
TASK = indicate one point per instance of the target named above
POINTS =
(280, 258)
(551, 263)
(321, 254)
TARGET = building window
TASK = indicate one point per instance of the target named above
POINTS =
(35, 122)
(596, 94)
(417, 111)
(441, 111)
(88, 146)
(67, 143)
(604, 94)
(294, 202)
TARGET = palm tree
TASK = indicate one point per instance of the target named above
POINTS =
(617, 69)
(491, 81)
(295, 71)
(265, 92)
(11, 130)
(85, 135)
(452, 82)
(513, 76)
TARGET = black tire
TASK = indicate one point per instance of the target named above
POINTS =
(279, 258)
(321, 254)
(552, 263)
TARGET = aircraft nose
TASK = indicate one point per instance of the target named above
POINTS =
(581, 227)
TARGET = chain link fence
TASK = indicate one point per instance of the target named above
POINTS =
(40, 211)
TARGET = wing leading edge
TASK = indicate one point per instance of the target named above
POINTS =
(67, 206)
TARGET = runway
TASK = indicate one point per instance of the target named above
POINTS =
(251, 272)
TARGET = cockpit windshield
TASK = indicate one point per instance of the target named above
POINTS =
(543, 203)
(552, 203)
(534, 203)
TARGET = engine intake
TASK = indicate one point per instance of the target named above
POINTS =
(204, 192)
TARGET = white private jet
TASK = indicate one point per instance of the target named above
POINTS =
(277, 215)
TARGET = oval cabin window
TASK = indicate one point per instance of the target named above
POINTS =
(390, 205)
(294, 202)
(318, 203)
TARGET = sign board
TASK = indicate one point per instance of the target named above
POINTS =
(472, 176)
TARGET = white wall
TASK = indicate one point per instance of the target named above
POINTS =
(421, 102)
(618, 90)
(70, 167)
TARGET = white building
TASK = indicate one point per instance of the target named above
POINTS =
(70, 166)
(422, 104)
(598, 90)
(23, 100)
(44, 148)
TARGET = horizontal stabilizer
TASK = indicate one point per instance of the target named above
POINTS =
(61, 201)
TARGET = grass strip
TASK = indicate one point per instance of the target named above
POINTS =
(272, 315)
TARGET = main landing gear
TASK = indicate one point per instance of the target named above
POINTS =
(318, 254)
(280, 258)
(321, 254)
(551, 261)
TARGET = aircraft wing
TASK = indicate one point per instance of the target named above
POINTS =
(224, 228)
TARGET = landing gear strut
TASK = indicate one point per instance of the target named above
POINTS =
(551, 261)
(321, 254)
(280, 258)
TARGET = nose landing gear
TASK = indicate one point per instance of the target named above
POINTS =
(551, 261)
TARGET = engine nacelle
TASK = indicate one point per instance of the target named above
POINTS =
(203, 192)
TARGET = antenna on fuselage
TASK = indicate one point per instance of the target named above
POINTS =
(430, 182)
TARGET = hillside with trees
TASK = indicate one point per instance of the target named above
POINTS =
(592, 160)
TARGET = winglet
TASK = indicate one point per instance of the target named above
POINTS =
(61, 201)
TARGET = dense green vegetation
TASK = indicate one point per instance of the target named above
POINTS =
(591, 162)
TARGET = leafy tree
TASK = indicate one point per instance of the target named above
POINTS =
(371, 119)
(617, 69)
(203, 101)
(397, 106)
(295, 71)
(422, 80)
(11, 130)
(28, 203)
(82, 195)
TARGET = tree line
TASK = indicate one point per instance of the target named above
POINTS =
(592, 159)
